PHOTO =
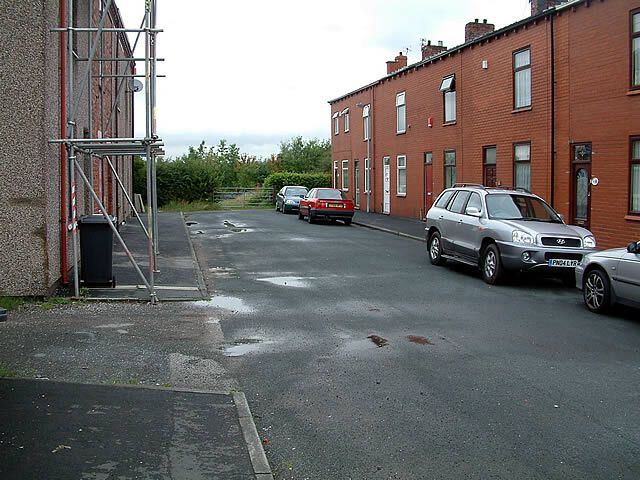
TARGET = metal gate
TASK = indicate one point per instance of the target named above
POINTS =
(234, 198)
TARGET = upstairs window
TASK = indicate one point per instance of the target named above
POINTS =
(522, 78)
(449, 168)
(365, 120)
(401, 113)
(345, 115)
(448, 88)
(635, 49)
(336, 123)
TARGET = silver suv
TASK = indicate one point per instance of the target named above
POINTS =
(501, 230)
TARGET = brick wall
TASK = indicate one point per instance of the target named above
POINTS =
(592, 105)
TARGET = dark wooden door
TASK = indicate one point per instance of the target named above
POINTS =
(581, 185)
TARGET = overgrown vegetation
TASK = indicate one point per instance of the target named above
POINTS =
(11, 303)
(191, 179)
(309, 180)
(6, 372)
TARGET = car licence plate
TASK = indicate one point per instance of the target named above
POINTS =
(561, 262)
(335, 205)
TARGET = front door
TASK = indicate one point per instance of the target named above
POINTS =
(428, 182)
(386, 201)
(356, 180)
(581, 185)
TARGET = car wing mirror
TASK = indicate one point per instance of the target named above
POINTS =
(633, 247)
(474, 212)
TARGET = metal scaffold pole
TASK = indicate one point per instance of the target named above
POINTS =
(108, 145)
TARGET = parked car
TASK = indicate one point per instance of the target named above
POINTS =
(327, 203)
(610, 276)
(501, 230)
(288, 198)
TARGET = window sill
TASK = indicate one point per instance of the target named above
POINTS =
(448, 124)
(401, 195)
(523, 109)
(631, 93)
(346, 131)
(344, 190)
(634, 217)
(401, 133)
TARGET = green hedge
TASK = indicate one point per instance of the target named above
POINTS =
(309, 180)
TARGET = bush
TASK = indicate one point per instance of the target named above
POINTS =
(310, 180)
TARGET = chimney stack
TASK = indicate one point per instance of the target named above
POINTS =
(399, 62)
(476, 29)
(539, 6)
(429, 50)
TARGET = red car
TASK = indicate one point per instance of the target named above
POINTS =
(328, 203)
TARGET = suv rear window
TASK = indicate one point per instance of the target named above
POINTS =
(444, 198)
(457, 206)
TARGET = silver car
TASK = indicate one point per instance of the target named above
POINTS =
(501, 230)
(611, 276)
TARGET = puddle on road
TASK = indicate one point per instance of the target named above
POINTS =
(233, 304)
(379, 341)
(244, 346)
(419, 340)
(295, 282)
(115, 325)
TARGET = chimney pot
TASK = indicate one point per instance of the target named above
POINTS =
(474, 30)
(484, 21)
(440, 44)
(429, 50)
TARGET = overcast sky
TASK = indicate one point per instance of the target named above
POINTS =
(258, 72)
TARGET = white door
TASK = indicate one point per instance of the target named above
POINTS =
(387, 187)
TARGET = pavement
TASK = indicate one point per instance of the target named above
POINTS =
(404, 227)
(177, 278)
(113, 389)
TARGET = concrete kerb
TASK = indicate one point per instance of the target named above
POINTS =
(258, 458)
(202, 286)
(386, 230)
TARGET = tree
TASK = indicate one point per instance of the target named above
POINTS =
(305, 156)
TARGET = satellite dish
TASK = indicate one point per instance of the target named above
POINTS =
(136, 85)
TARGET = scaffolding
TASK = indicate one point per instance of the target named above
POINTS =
(107, 149)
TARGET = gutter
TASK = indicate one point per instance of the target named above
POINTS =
(553, 113)
(63, 148)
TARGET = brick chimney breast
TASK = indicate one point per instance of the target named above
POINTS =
(539, 6)
(399, 62)
(474, 30)
(429, 50)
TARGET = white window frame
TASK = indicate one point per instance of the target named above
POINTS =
(401, 113)
(522, 81)
(345, 175)
(336, 174)
(336, 123)
(448, 89)
(519, 161)
(401, 190)
(366, 124)
(367, 167)
(345, 114)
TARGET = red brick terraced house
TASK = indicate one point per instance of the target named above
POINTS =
(550, 103)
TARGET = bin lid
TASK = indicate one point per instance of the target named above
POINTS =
(95, 219)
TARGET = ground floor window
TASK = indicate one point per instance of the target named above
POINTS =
(489, 166)
(345, 174)
(401, 187)
(634, 193)
(449, 168)
(336, 174)
(356, 180)
(367, 175)
(522, 165)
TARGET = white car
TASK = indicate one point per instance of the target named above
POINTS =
(611, 276)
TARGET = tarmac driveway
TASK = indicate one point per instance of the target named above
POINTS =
(360, 360)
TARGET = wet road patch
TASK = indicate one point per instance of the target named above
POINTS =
(245, 346)
(419, 340)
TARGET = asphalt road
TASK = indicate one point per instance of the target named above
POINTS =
(474, 381)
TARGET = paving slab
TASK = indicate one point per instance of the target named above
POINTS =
(70, 431)
(178, 276)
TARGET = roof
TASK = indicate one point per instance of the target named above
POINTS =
(532, 19)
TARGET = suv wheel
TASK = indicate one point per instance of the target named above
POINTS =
(596, 291)
(492, 270)
(435, 250)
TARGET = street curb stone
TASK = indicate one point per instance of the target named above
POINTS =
(386, 230)
(258, 458)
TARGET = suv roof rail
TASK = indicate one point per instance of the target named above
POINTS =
(507, 187)
(479, 185)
